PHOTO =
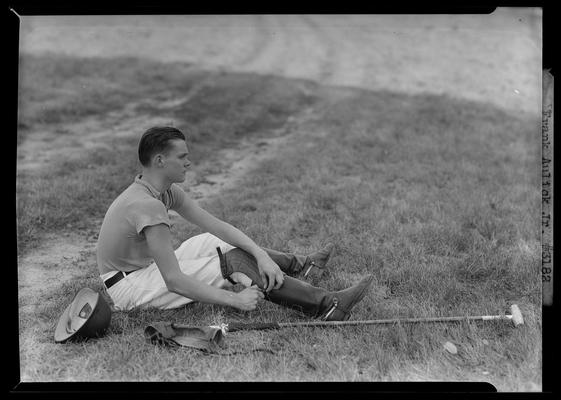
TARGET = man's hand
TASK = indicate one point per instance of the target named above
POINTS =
(270, 272)
(248, 298)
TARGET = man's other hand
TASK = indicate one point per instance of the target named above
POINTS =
(248, 298)
(271, 274)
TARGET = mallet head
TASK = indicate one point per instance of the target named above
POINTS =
(516, 315)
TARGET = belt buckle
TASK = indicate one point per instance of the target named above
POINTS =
(123, 275)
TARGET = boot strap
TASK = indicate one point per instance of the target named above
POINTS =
(224, 267)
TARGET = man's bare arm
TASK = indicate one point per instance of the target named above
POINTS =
(160, 247)
(193, 213)
(270, 272)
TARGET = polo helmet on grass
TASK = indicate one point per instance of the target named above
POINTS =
(87, 316)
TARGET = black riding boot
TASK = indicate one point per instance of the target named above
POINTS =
(291, 264)
(318, 302)
(295, 264)
(310, 300)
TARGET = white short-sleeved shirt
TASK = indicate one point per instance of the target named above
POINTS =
(121, 244)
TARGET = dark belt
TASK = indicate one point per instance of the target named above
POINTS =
(115, 278)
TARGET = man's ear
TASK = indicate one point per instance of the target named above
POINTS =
(158, 160)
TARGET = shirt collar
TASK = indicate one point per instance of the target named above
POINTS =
(148, 186)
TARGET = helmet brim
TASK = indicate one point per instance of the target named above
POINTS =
(67, 327)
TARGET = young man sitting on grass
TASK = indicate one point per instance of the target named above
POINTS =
(139, 267)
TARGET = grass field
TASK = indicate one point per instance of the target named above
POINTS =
(435, 196)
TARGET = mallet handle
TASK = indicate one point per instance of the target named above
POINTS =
(251, 326)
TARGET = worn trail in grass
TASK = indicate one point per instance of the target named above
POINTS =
(436, 197)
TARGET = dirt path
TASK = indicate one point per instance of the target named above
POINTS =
(495, 58)
(41, 270)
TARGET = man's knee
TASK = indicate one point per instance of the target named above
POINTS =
(242, 278)
(239, 261)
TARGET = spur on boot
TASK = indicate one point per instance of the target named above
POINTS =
(316, 263)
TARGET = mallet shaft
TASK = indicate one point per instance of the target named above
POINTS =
(278, 325)
(394, 321)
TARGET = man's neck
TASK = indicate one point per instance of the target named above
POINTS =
(158, 182)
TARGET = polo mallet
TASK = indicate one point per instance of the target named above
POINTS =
(515, 316)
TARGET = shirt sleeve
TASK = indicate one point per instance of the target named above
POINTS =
(148, 213)
(178, 197)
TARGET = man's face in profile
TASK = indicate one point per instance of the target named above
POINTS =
(176, 160)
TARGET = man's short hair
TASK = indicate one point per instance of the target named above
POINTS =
(156, 140)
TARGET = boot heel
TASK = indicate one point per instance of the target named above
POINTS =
(344, 300)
